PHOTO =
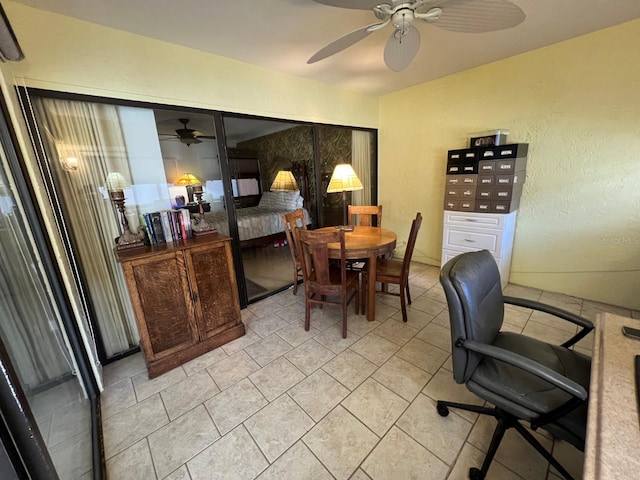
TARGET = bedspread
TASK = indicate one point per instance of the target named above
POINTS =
(253, 222)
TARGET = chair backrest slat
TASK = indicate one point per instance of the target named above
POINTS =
(411, 243)
(291, 222)
(314, 253)
(365, 214)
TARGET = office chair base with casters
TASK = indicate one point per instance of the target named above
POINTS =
(505, 422)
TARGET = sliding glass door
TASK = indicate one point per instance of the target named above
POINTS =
(161, 154)
(47, 390)
(158, 156)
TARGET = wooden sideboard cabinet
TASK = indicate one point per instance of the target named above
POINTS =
(184, 297)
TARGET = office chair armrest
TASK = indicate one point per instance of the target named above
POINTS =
(586, 325)
(528, 365)
(555, 311)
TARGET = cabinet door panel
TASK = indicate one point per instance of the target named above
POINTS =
(162, 298)
(215, 284)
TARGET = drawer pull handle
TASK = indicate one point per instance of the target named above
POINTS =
(469, 240)
(471, 220)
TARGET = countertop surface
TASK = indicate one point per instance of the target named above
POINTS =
(612, 448)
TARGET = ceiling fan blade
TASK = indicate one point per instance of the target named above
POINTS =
(211, 137)
(355, 4)
(401, 49)
(479, 16)
(341, 43)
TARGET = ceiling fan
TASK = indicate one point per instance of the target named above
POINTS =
(186, 135)
(466, 16)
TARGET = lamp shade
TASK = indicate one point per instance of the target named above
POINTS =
(187, 179)
(284, 182)
(115, 181)
(344, 179)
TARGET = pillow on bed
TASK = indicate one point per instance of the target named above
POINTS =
(280, 200)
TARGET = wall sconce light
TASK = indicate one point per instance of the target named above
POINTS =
(116, 184)
(344, 179)
(284, 182)
(70, 163)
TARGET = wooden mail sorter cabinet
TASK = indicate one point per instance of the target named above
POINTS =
(184, 297)
(485, 179)
(482, 195)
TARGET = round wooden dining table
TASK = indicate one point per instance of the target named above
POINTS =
(365, 243)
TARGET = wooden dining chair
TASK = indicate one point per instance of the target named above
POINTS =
(323, 281)
(365, 215)
(291, 222)
(395, 271)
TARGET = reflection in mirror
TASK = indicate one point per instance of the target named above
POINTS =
(345, 145)
(257, 150)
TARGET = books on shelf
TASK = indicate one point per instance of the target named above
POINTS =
(167, 225)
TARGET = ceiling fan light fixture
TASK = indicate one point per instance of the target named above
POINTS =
(401, 48)
(466, 16)
(188, 141)
(402, 19)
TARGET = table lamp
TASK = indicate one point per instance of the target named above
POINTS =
(200, 225)
(284, 182)
(344, 179)
(188, 180)
(116, 184)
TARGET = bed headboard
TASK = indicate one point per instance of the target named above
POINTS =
(300, 172)
(244, 168)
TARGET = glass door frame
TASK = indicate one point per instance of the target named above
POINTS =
(20, 423)
(218, 119)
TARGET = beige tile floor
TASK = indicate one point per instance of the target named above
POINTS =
(281, 403)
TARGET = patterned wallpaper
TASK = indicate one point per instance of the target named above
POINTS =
(294, 148)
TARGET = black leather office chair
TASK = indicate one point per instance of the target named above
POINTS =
(526, 379)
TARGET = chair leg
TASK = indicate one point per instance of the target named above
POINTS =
(364, 292)
(505, 422)
(498, 434)
(307, 315)
(295, 281)
(344, 317)
(541, 450)
(408, 294)
(357, 299)
(443, 408)
(403, 305)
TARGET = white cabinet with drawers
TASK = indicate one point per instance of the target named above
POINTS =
(469, 231)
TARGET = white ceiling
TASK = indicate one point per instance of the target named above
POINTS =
(283, 34)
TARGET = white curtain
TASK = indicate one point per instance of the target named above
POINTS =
(361, 161)
(91, 134)
(28, 324)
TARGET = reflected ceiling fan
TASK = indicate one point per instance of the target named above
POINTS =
(187, 135)
(466, 16)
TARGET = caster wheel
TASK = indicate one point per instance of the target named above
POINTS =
(475, 474)
(443, 410)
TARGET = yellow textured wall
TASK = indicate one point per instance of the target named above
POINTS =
(577, 104)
